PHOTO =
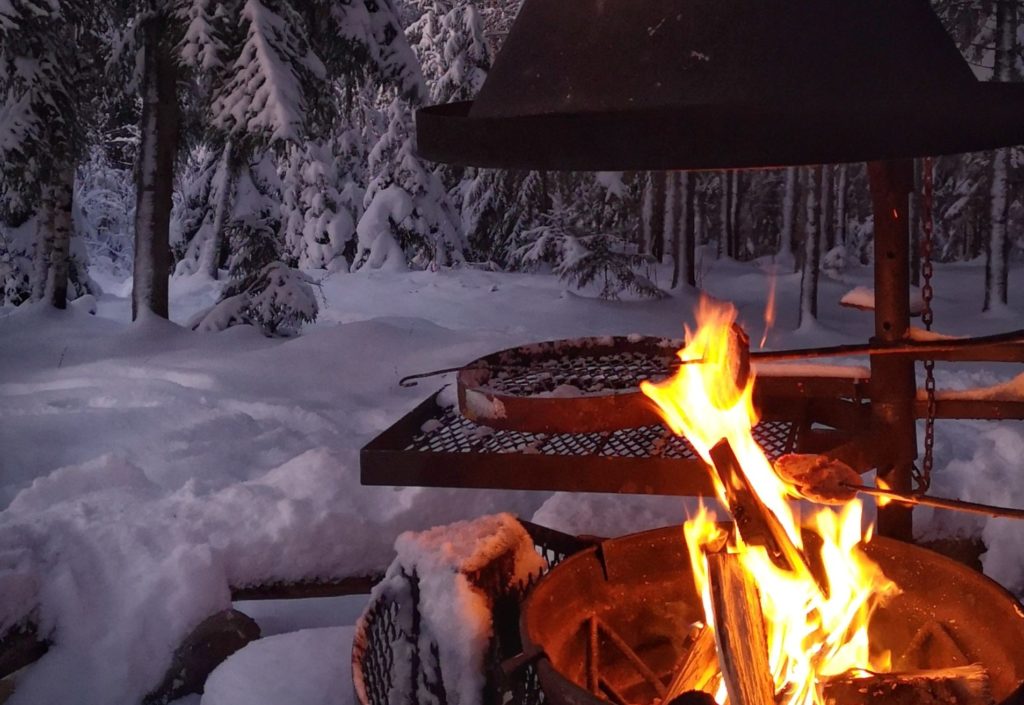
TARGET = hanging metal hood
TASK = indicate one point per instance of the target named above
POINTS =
(713, 84)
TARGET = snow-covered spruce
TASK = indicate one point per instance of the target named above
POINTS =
(263, 291)
(584, 259)
(409, 220)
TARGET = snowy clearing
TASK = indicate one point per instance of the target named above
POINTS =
(147, 468)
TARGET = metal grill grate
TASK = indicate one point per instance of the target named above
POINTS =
(588, 373)
(450, 432)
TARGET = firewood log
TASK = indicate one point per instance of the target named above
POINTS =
(962, 685)
(739, 632)
(698, 668)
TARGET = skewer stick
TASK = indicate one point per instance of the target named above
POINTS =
(922, 348)
(956, 505)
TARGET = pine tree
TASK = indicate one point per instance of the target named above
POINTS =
(50, 54)
(409, 220)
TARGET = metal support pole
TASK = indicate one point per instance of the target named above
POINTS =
(893, 386)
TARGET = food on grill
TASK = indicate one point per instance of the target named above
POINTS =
(817, 478)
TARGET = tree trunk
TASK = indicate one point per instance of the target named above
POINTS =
(735, 231)
(997, 251)
(63, 191)
(841, 204)
(812, 250)
(155, 174)
(828, 230)
(723, 237)
(677, 191)
(225, 190)
(659, 215)
(44, 244)
(785, 256)
(689, 228)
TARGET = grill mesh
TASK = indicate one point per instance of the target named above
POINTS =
(588, 373)
(450, 432)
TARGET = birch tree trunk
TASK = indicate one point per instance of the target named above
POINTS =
(63, 191)
(812, 251)
(997, 250)
(785, 257)
(225, 190)
(155, 174)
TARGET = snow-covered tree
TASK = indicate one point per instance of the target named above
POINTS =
(409, 220)
(263, 291)
(322, 202)
(581, 256)
(49, 57)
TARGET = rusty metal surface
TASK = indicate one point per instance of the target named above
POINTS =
(720, 84)
(591, 385)
(642, 586)
(435, 446)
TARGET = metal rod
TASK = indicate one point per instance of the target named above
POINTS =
(642, 668)
(593, 657)
(955, 505)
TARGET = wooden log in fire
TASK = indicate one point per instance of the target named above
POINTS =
(755, 523)
(699, 667)
(961, 685)
(739, 632)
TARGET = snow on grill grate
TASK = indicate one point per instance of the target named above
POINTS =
(588, 373)
(450, 432)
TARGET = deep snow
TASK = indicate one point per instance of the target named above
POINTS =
(145, 467)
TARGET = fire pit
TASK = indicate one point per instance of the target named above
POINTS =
(641, 587)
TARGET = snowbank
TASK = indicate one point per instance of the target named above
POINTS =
(278, 670)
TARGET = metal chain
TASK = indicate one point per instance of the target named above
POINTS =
(924, 476)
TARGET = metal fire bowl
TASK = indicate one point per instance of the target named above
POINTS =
(641, 586)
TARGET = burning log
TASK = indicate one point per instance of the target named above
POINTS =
(739, 632)
(963, 685)
(699, 667)
(756, 524)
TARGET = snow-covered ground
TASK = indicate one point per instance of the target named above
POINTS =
(145, 468)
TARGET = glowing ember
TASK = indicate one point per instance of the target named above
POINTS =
(812, 632)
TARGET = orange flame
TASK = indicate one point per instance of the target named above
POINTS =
(769, 309)
(810, 633)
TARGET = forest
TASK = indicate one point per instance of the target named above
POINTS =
(255, 141)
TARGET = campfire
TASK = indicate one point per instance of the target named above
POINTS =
(787, 600)
(802, 607)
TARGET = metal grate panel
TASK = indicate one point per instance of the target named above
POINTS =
(588, 373)
(450, 432)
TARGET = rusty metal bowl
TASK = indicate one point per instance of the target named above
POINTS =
(641, 586)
